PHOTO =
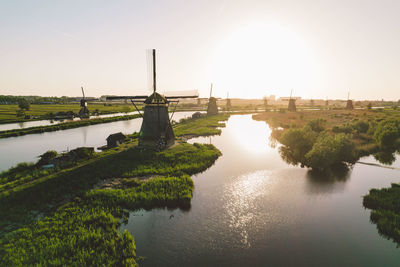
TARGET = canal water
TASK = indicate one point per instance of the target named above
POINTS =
(27, 124)
(252, 209)
(27, 148)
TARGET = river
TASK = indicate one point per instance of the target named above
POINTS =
(27, 148)
(252, 209)
(27, 124)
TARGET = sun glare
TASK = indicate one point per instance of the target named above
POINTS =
(257, 59)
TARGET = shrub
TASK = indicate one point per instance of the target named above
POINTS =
(317, 125)
(386, 133)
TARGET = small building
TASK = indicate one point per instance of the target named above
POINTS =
(196, 115)
(116, 139)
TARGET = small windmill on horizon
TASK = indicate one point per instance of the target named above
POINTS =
(349, 104)
(212, 108)
(292, 102)
(228, 102)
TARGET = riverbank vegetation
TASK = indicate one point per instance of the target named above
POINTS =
(203, 126)
(64, 126)
(324, 139)
(59, 218)
(48, 111)
(385, 206)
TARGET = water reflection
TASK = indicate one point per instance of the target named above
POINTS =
(254, 140)
(328, 182)
(240, 202)
(252, 209)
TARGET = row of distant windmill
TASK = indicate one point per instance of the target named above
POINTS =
(156, 129)
(292, 102)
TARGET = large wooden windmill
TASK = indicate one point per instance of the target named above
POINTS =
(156, 130)
(212, 108)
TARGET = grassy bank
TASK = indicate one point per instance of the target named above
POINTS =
(64, 126)
(385, 206)
(8, 112)
(325, 138)
(203, 126)
(79, 223)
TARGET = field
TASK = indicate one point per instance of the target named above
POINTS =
(8, 112)
(62, 216)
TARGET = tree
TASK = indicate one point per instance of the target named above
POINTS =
(23, 104)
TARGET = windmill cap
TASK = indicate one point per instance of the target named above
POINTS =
(156, 98)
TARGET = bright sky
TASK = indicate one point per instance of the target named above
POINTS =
(249, 48)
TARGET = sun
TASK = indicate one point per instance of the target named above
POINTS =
(259, 59)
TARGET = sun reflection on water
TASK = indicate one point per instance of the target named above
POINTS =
(251, 135)
(241, 205)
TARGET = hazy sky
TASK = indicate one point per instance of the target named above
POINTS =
(249, 48)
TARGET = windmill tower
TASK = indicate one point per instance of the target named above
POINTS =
(228, 102)
(326, 102)
(349, 104)
(156, 130)
(84, 111)
(292, 103)
(212, 108)
(265, 102)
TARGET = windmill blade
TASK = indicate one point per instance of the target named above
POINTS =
(126, 97)
(83, 92)
(151, 69)
(182, 96)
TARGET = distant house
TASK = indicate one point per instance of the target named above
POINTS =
(116, 139)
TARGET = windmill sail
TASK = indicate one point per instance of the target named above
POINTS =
(84, 111)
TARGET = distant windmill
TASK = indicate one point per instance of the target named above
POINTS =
(84, 111)
(212, 108)
(292, 102)
(326, 102)
(265, 102)
(156, 130)
(312, 102)
(228, 102)
(349, 104)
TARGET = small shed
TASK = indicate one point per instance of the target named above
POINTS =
(196, 115)
(116, 139)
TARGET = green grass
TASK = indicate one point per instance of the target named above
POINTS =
(80, 227)
(203, 126)
(63, 126)
(8, 112)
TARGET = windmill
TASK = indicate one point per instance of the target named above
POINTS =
(156, 130)
(265, 103)
(349, 104)
(212, 108)
(292, 102)
(84, 111)
(326, 102)
(228, 102)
